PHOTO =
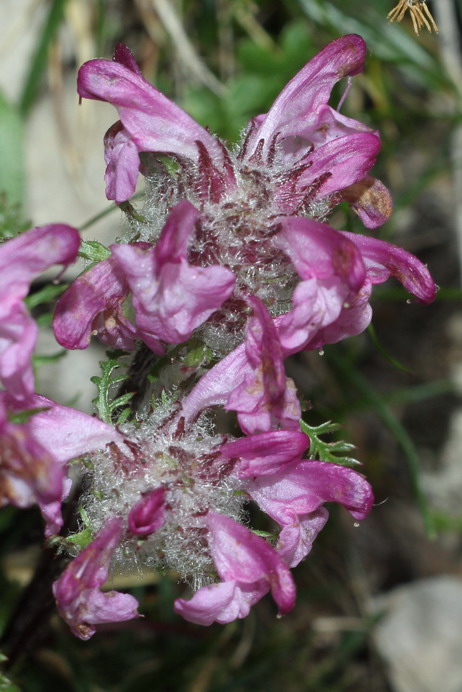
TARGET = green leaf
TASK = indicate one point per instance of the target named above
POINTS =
(85, 536)
(335, 452)
(93, 251)
(105, 383)
(393, 361)
(11, 154)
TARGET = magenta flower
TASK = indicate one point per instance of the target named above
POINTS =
(251, 381)
(170, 297)
(266, 398)
(149, 120)
(248, 567)
(148, 515)
(293, 497)
(35, 452)
(94, 304)
(331, 301)
(22, 259)
(261, 211)
(179, 491)
(80, 601)
(308, 149)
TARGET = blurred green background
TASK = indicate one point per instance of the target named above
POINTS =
(396, 389)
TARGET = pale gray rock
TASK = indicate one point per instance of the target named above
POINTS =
(420, 635)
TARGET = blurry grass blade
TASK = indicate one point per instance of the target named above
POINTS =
(39, 59)
(11, 154)
(352, 376)
(384, 352)
(97, 217)
(46, 294)
(388, 42)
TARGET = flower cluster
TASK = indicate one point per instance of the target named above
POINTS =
(229, 268)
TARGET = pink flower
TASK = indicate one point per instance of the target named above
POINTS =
(309, 149)
(21, 260)
(331, 301)
(149, 120)
(250, 380)
(294, 495)
(34, 453)
(148, 515)
(266, 398)
(80, 601)
(94, 304)
(248, 567)
(262, 213)
(264, 453)
(170, 296)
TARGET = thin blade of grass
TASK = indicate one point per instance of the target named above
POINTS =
(353, 376)
(38, 62)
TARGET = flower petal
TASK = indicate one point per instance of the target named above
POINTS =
(241, 556)
(383, 260)
(171, 297)
(122, 163)
(80, 602)
(223, 602)
(265, 453)
(371, 200)
(295, 111)
(296, 539)
(94, 303)
(154, 122)
(148, 515)
(303, 486)
(21, 260)
(318, 250)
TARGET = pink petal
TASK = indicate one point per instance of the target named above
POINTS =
(94, 302)
(65, 432)
(318, 250)
(21, 260)
(303, 486)
(266, 398)
(383, 260)
(315, 305)
(214, 387)
(18, 335)
(171, 297)
(123, 163)
(223, 602)
(296, 539)
(154, 122)
(241, 556)
(148, 515)
(265, 453)
(353, 319)
(29, 254)
(295, 111)
(80, 602)
(347, 159)
(29, 472)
